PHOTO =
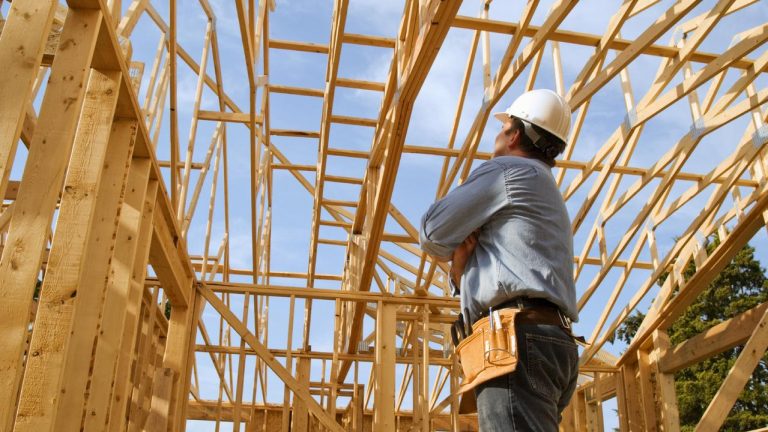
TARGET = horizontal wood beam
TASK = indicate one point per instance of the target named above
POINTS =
(298, 46)
(330, 294)
(436, 356)
(335, 223)
(194, 165)
(376, 41)
(298, 275)
(399, 238)
(355, 121)
(359, 154)
(278, 166)
(294, 133)
(343, 179)
(249, 272)
(441, 151)
(332, 242)
(340, 203)
(299, 91)
(618, 263)
(360, 84)
(227, 117)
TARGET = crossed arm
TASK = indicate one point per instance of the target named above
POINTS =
(448, 229)
(460, 257)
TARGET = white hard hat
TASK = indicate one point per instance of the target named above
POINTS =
(543, 108)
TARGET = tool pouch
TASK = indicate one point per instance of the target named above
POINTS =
(488, 353)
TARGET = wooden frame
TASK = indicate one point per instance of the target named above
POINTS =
(105, 226)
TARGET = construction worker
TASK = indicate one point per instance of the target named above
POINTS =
(508, 236)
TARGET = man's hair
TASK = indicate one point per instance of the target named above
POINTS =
(545, 149)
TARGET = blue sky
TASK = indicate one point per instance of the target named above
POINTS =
(310, 21)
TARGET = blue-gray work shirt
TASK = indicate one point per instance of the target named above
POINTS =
(525, 245)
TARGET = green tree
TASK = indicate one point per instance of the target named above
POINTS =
(738, 287)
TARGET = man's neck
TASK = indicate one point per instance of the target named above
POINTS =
(516, 152)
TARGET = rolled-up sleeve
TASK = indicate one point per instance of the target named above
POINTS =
(466, 208)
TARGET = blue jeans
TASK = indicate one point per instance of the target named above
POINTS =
(532, 397)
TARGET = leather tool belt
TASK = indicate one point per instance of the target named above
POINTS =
(490, 350)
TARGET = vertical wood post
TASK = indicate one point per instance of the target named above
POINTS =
(384, 398)
(300, 420)
(59, 297)
(103, 240)
(39, 190)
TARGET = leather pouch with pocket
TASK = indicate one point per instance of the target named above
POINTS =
(489, 352)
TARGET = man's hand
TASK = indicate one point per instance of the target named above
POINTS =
(461, 255)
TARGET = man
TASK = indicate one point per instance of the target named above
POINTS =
(508, 235)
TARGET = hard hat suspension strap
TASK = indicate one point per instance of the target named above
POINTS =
(532, 134)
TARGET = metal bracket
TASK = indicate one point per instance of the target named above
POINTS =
(760, 137)
(678, 37)
(736, 39)
(630, 120)
(697, 128)
(486, 98)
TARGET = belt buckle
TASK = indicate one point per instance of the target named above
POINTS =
(564, 319)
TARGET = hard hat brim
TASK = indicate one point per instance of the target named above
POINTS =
(501, 116)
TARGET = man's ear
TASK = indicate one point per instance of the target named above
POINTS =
(513, 139)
